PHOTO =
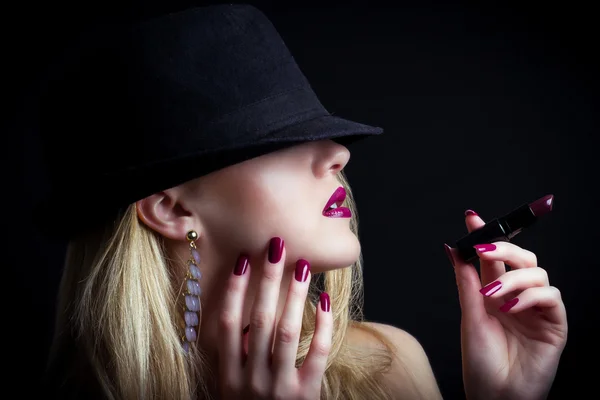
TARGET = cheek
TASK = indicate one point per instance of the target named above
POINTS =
(275, 211)
(263, 217)
(246, 215)
(287, 208)
(247, 206)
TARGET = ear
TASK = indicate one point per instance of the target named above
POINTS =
(165, 213)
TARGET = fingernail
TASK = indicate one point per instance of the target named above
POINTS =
(275, 250)
(245, 342)
(470, 212)
(241, 265)
(302, 268)
(449, 253)
(325, 302)
(491, 288)
(482, 248)
(509, 304)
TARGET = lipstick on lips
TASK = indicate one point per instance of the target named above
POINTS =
(504, 228)
(333, 207)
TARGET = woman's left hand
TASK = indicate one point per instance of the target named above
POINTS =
(514, 329)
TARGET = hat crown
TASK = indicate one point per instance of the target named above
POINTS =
(185, 81)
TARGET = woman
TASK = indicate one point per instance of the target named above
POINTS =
(213, 249)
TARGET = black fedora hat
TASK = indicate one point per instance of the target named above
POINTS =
(136, 108)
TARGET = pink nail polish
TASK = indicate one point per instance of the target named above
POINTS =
(509, 304)
(449, 253)
(275, 250)
(491, 288)
(241, 266)
(245, 341)
(483, 248)
(302, 269)
(470, 212)
(325, 302)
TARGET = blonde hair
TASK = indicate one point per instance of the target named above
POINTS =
(118, 321)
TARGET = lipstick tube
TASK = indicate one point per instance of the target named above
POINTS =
(504, 228)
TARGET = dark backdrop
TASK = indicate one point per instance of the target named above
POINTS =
(483, 107)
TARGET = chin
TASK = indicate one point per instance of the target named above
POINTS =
(339, 253)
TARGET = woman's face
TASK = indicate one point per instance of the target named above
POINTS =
(283, 193)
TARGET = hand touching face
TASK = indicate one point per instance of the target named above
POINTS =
(283, 194)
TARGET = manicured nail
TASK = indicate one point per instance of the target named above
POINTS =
(241, 266)
(449, 253)
(482, 248)
(491, 288)
(325, 302)
(470, 212)
(245, 342)
(509, 304)
(302, 269)
(275, 250)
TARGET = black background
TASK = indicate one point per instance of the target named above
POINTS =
(484, 107)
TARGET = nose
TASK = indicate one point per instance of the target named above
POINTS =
(331, 158)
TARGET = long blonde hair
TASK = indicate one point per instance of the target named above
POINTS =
(118, 321)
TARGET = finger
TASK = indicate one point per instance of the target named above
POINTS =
(519, 279)
(467, 279)
(490, 270)
(263, 313)
(508, 253)
(548, 298)
(290, 324)
(230, 351)
(313, 368)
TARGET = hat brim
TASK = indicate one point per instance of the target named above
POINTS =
(59, 217)
(327, 127)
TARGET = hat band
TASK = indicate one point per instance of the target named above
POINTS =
(262, 118)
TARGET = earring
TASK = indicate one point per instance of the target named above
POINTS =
(192, 293)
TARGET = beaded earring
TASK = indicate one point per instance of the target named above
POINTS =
(192, 293)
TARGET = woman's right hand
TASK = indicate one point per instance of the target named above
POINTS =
(268, 371)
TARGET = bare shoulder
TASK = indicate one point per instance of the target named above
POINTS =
(410, 375)
(400, 338)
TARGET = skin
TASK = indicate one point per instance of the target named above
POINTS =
(237, 210)
(510, 354)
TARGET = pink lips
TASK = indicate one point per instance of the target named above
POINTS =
(335, 201)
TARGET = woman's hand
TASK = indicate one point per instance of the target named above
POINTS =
(268, 370)
(514, 329)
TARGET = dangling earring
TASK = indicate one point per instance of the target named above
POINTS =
(192, 293)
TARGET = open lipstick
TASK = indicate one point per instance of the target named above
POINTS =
(504, 228)
(333, 207)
